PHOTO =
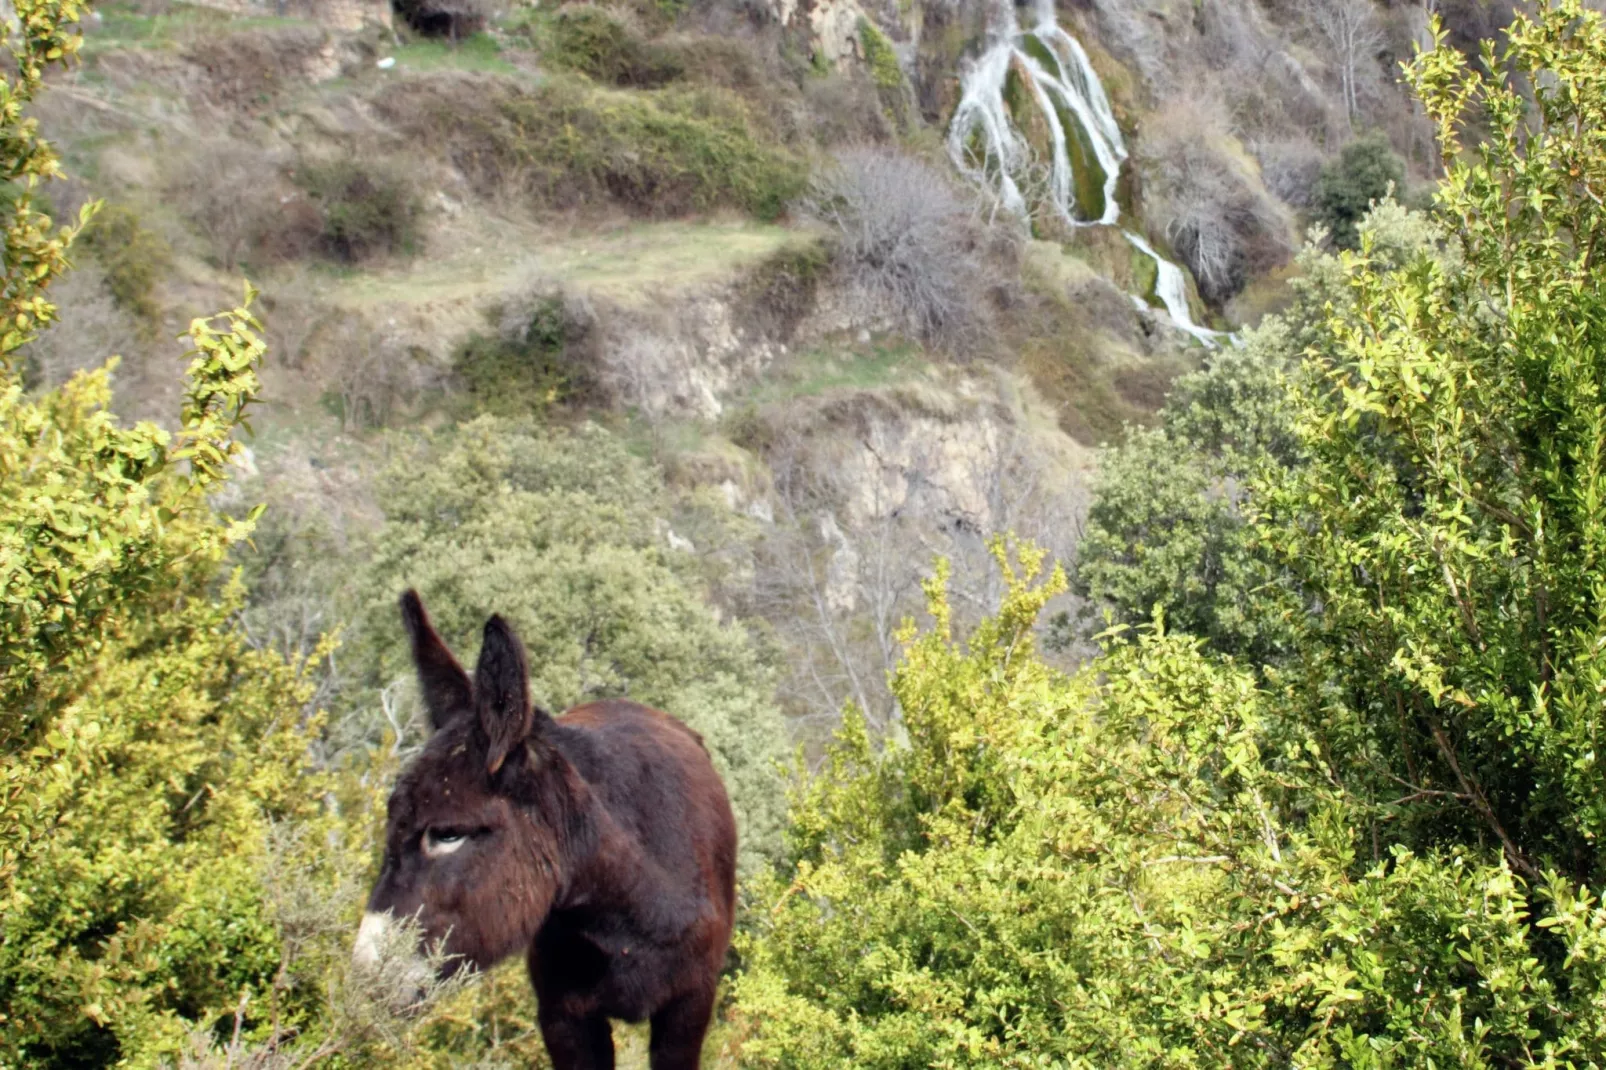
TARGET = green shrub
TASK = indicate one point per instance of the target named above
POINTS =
(1364, 172)
(366, 210)
(879, 56)
(1134, 866)
(532, 363)
(1447, 518)
(569, 142)
(146, 747)
(599, 44)
(133, 258)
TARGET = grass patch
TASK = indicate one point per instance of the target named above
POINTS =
(124, 25)
(569, 142)
(819, 371)
(477, 52)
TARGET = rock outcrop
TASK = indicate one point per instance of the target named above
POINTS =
(343, 15)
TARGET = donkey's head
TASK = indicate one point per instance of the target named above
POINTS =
(481, 822)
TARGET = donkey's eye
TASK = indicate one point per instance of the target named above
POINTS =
(438, 843)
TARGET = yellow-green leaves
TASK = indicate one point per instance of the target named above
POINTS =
(35, 252)
(1448, 529)
(98, 519)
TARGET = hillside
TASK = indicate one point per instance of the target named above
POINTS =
(405, 186)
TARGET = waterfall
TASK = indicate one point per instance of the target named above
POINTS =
(1086, 150)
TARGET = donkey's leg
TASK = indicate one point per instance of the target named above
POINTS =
(678, 1030)
(578, 1043)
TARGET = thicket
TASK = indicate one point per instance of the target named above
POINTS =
(535, 358)
(366, 210)
(606, 45)
(570, 142)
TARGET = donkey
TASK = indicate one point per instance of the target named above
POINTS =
(601, 843)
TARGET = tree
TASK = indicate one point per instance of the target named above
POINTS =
(1170, 522)
(1364, 173)
(1448, 521)
(1350, 29)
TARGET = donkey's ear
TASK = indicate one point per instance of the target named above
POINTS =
(502, 692)
(446, 687)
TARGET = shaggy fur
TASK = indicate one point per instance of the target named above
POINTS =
(601, 843)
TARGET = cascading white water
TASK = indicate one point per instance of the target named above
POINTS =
(985, 144)
(1172, 290)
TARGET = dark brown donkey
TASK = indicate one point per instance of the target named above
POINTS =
(600, 843)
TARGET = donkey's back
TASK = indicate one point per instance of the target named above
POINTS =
(654, 777)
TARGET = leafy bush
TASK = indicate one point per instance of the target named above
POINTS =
(147, 748)
(1094, 870)
(602, 44)
(132, 257)
(148, 754)
(367, 210)
(534, 360)
(568, 142)
(557, 531)
(1364, 172)
(1446, 520)
(1170, 523)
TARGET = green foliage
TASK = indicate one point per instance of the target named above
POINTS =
(1167, 528)
(879, 56)
(367, 210)
(39, 35)
(558, 532)
(133, 258)
(600, 44)
(1167, 532)
(146, 748)
(528, 367)
(97, 518)
(1095, 871)
(130, 894)
(1449, 520)
(570, 142)
(1365, 172)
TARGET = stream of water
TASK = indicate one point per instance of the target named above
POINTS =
(1078, 181)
